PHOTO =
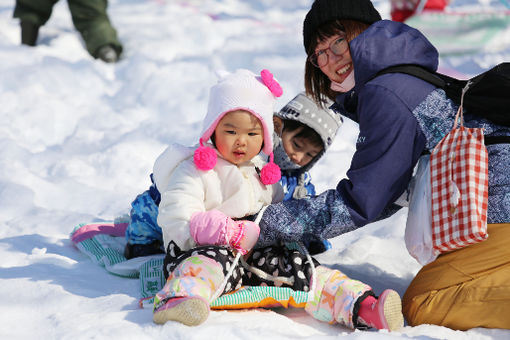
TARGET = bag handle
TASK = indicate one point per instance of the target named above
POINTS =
(454, 196)
(460, 112)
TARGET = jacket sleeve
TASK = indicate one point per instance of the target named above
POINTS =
(180, 199)
(388, 146)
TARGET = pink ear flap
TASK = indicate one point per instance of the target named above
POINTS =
(204, 157)
(270, 173)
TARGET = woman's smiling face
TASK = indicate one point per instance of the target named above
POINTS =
(339, 66)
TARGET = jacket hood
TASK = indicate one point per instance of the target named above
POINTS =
(388, 43)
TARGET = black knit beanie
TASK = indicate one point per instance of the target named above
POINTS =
(326, 10)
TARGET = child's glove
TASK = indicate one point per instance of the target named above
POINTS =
(317, 246)
(214, 227)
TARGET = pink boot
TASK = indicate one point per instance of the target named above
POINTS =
(382, 313)
(191, 311)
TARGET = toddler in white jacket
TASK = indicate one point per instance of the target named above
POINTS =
(210, 194)
(210, 197)
(197, 193)
(206, 196)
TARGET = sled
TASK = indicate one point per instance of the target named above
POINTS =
(104, 242)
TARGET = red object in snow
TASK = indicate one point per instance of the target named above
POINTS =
(403, 9)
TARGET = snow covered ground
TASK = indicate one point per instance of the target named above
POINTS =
(78, 139)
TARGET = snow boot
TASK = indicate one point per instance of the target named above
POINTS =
(384, 312)
(190, 311)
(29, 33)
(139, 250)
(107, 54)
(186, 294)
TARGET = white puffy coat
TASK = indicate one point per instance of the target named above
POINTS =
(235, 190)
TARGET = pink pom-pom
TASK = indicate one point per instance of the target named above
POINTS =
(205, 157)
(270, 174)
(271, 83)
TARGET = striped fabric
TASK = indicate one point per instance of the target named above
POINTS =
(459, 188)
(151, 277)
(107, 251)
(252, 297)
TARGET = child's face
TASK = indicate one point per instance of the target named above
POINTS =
(299, 149)
(239, 136)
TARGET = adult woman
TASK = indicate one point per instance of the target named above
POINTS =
(399, 117)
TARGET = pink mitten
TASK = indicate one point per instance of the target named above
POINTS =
(243, 235)
(215, 228)
(210, 227)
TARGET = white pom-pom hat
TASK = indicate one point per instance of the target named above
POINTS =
(241, 90)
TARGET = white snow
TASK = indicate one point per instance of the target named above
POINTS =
(78, 139)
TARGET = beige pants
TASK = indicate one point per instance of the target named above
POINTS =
(466, 288)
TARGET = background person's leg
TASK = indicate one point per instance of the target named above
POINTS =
(32, 14)
(91, 20)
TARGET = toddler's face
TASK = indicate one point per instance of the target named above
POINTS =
(299, 150)
(239, 136)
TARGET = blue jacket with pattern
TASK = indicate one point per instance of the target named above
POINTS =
(399, 117)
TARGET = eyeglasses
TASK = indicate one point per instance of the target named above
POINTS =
(338, 47)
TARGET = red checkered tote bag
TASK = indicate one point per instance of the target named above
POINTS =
(459, 188)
